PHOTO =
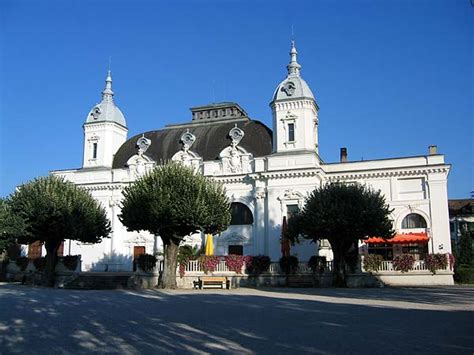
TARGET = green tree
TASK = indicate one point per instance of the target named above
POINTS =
(54, 210)
(342, 214)
(11, 226)
(465, 256)
(173, 201)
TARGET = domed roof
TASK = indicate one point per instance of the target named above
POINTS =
(106, 110)
(293, 86)
(212, 136)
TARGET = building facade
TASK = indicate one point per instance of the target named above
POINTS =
(267, 174)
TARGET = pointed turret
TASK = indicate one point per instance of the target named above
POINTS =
(105, 130)
(106, 110)
(295, 112)
(108, 94)
(294, 67)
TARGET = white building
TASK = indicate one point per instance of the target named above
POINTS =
(267, 174)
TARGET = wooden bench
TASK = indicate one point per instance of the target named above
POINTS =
(213, 281)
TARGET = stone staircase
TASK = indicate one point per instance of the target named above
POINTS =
(99, 281)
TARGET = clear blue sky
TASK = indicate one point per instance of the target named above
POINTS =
(390, 77)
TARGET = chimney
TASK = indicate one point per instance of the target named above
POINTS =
(433, 149)
(343, 155)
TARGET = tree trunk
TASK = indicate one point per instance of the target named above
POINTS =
(51, 261)
(170, 263)
(339, 271)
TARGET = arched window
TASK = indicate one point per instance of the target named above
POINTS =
(241, 214)
(413, 220)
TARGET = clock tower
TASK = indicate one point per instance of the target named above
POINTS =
(105, 130)
(295, 112)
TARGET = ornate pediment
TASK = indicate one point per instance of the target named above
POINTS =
(235, 159)
(140, 164)
(185, 156)
(234, 237)
(291, 194)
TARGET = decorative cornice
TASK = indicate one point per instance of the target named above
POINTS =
(291, 174)
(265, 176)
(383, 173)
(103, 187)
(231, 179)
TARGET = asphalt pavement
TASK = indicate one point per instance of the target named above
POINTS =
(431, 320)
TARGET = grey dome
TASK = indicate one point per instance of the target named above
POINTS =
(292, 87)
(106, 111)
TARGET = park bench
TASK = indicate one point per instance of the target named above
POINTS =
(213, 281)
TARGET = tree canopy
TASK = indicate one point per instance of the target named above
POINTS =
(11, 226)
(342, 214)
(53, 210)
(173, 201)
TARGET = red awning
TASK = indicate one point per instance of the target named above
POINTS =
(408, 238)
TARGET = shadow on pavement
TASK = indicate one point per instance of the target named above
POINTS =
(39, 320)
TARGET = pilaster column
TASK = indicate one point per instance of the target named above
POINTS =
(259, 231)
(438, 194)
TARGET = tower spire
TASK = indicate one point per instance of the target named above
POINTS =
(107, 94)
(294, 67)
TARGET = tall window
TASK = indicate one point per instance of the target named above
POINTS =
(241, 214)
(291, 210)
(94, 151)
(413, 220)
(291, 132)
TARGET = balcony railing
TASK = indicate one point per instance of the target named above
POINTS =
(387, 266)
(194, 266)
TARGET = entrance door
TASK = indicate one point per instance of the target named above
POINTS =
(137, 251)
(35, 250)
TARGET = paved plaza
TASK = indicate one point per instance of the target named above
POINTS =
(241, 321)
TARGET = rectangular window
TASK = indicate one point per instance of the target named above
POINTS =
(236, 250)
(35, 250)
(291, 132)
(291, 210)
(94, 151)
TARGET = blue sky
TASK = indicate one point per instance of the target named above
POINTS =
(390, 77)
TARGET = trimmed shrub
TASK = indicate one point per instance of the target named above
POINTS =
(289, 264)
(70, 261)
(255, 265)
(436, 262)
(404, 262)
(22, 262)
(317, 264)
(146, 262)
(372, 262)
(464, 274)
(39, 263)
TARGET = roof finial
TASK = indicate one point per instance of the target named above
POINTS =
(107, 94)
(293, 67)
